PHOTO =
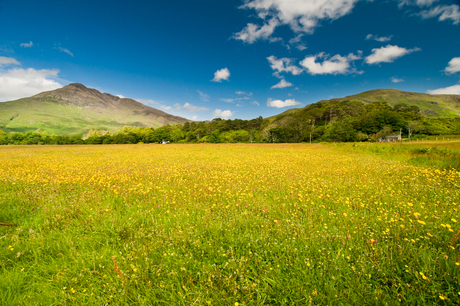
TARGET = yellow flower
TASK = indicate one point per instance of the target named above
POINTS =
(423, 276)
(453, 220)
(442, 297)
(421, 222)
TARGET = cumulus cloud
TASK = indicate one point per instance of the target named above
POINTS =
(203, 97)
(121, 96)
(222, 74)
(282, 84)
(453, 66)
(222, 114)
(253, 32)
(194, 118)
(19, 83)
(27, 45)
(444, 12)
(65, 51)
(396, 80)
(388, 54)
(451, 90)
(301, 16)
(8, 61)
(191, 108)
(281, 104)
(379, 38)
(335, 65)
(284, 65)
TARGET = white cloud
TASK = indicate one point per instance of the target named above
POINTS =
(416, 2)
(204, 97)
(282, 84)
(444, 12)
(335, 65)
(227, 100)
(388, 54)
(379, 38)
(222, 114)
(27, 45)
(453, 66)
(301, 47)
(191, 108)
(19, 83)
(396, 80)
(243, 93)
(194, 118)
(65, 51)
(284, 65)
(425, 2)
(222, 74)
(253, 32)
(301, 16)
(451, 90)
(255, 103)
(121, 96)
(281, 104)
(8, 61)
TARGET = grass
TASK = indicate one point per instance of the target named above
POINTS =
(227, 225)
(443, 155)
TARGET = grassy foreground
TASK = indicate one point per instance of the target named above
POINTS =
(227, 225)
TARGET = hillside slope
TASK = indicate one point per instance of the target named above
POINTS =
(75, 109)
(430, 105)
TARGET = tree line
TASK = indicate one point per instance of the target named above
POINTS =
(328, 121)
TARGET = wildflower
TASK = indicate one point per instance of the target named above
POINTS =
(423, 276)
(421, 222)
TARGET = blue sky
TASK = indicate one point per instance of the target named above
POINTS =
(233, 58)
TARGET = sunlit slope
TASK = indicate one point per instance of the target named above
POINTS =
(430, 105)
(74, 109)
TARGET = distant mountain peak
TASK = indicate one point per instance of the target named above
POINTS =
(78, 108)
(76, 85)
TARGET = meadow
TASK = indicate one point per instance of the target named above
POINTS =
(230, 224)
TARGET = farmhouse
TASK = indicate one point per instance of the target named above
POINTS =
(390, 138)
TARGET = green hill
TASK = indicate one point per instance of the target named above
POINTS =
(75, 109)
(430, 105)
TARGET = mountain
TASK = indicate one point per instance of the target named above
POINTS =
(75, 109)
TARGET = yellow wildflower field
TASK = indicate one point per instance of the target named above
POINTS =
(223, 225)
